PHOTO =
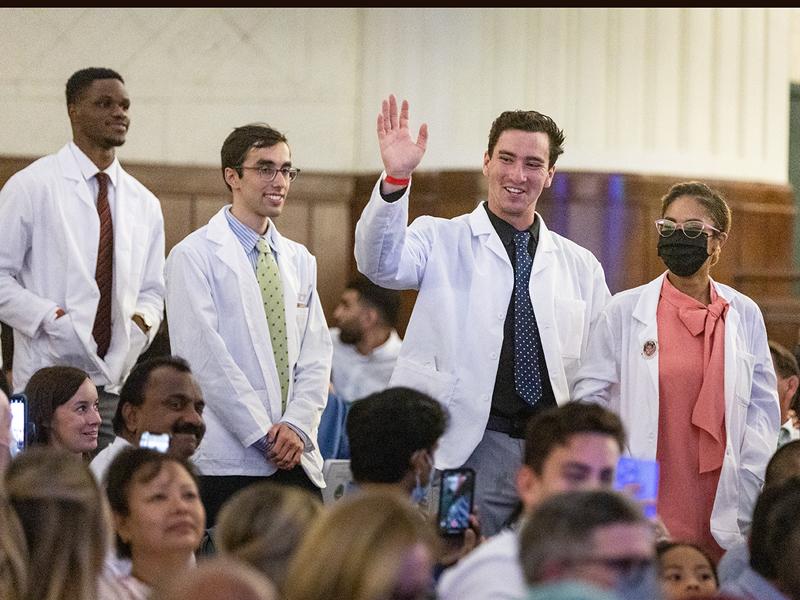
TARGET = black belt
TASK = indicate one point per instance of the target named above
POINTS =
(515, 427)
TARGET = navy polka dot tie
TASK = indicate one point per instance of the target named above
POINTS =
(527, 375)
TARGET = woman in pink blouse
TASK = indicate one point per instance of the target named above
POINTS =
(684, 360)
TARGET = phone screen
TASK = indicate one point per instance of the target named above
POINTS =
(19, 410)
(456, 496)
(640, 478)
(154, 441)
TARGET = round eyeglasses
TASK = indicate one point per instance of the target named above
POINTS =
(269, 173)
(691, 229)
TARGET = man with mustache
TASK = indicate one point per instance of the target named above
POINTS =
(82, 253)
(160, 396)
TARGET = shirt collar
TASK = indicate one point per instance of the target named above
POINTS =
(248, 237)
(506, 231)
(88, 169)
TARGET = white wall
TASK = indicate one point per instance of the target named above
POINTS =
(695, 92)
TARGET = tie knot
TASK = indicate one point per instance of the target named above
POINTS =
(262, 246)
(102, 179)
(521, 239)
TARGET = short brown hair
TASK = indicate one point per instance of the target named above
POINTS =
(555, 426)
(242, 139)
(528, 120)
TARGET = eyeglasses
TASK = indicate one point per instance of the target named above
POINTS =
(269, 173)
(691, 229)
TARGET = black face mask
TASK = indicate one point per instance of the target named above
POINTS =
(683, 255)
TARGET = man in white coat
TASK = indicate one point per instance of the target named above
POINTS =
(243, 310)
(494, 356)
(82, 256)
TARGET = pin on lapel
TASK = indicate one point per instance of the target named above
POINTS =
(649, 349)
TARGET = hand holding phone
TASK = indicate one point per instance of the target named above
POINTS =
(639, 478)
(456, 499)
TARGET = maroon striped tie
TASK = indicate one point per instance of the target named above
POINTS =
(105, 268)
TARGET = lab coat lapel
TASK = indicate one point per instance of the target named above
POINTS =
(231, 254)
(292, 298)
(481, 226)
(644, 315)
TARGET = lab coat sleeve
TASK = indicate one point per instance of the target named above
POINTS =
(600, 368)
(150, 302)
(313, 368)
(763, 421)
(21, 309)
(192, 318)
(387, 251)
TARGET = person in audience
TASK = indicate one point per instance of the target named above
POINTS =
(571, 447)
(783, 465)
(496, 334)
(82, 257)
(368, 546)
(685, 361)
(160, 396)
(64, 410)
(599, 538)
(60, 509)
(788, 373)
(264, 524)
(158, 520)
(219, 579)
(774, 547)
(365, 342)
(13, 560)
(686, 571)
(393, 435)
(244, 311)
(365, 349)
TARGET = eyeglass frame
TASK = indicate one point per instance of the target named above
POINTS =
(289, 173)
(660, 222)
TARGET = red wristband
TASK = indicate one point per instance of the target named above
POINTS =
(396, 181)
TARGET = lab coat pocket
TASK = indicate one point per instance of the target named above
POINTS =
(744, 377)
(570, 314)
(425, 378)
(64, 346)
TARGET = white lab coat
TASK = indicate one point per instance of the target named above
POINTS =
(617, 374)
(465, 280)
(217, 322)
(49, 229)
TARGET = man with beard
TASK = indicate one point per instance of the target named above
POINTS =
(160, 396)
(365, 342)
(82, 253)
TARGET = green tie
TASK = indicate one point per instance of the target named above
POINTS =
(269, 280)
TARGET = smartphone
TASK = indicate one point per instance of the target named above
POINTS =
(456, 497)
(639, 477)
(155, 441)
(19, 420)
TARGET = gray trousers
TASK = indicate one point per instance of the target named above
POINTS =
(496, 460)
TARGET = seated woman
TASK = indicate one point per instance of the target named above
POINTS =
(369, 546)
(58, 506)
(63, 408)
(264, 524)
(158, 520)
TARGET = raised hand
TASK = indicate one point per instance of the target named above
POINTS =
(399, 153)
